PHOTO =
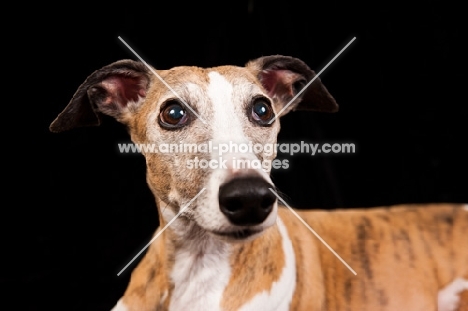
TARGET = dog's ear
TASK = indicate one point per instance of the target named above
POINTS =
(115, 90)
(283, 77)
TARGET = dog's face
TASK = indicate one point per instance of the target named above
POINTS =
(209, 128)
(226, 100)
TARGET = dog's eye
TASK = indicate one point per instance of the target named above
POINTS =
(262, 111)
(173, 114)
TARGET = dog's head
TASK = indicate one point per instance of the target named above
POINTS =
(201, 128)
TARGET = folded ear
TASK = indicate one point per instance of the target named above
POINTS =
(283, 77)
(115, 90)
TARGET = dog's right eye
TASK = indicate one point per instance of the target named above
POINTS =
(173, 115)
(262, 113)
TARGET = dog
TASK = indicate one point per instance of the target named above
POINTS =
(228, 244)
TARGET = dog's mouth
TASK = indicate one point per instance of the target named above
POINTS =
(238, 235)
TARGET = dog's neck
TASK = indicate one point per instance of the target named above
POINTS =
(201, 267)
(207, 272)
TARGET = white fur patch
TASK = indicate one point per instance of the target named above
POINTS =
(228, 123)
(200, 274)
(449, 296)
(227, 126)
(466, 207)
(280, 296)
(120, 306)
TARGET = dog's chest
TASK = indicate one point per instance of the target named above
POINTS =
(280, 295)
(200, 279)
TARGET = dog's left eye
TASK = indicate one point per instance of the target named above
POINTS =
(173, 115)
(262, 111)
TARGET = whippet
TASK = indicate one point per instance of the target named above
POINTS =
(234, 247)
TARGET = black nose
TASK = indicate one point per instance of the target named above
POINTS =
(246, 201)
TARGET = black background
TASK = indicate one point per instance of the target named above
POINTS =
(84, 210)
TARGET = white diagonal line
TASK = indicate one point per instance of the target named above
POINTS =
(310, 82)
(162, 230)
(162, 80)
(312, 230)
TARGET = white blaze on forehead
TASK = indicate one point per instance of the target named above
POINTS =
(228, 123)
(227, 109)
